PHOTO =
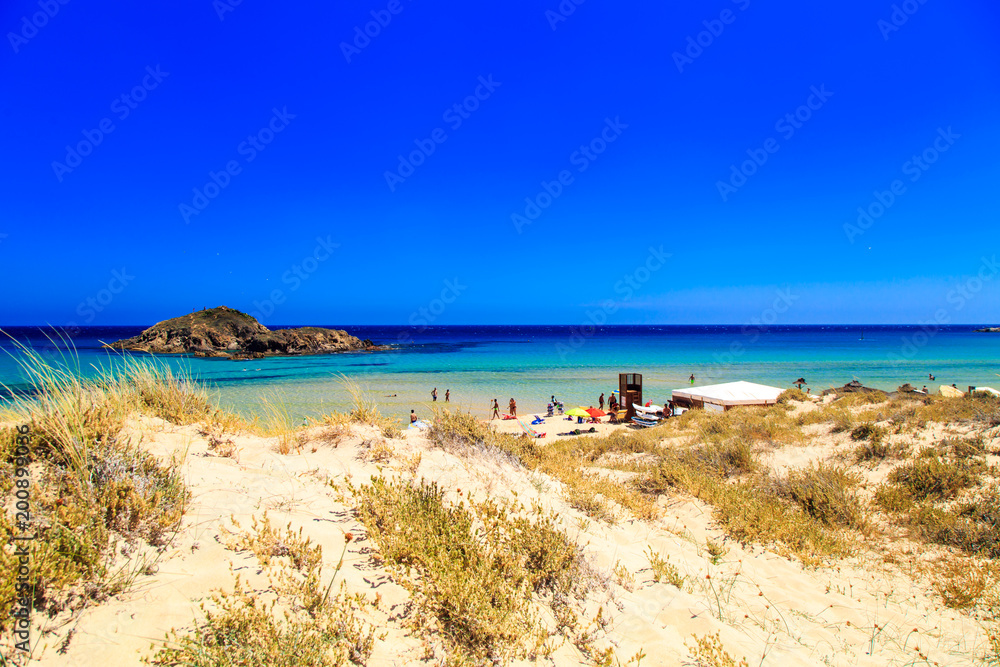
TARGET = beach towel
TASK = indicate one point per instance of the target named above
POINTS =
(530, 431)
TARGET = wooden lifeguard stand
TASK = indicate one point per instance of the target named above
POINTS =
(629, 392)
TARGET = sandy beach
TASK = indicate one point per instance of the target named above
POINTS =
(878, 606)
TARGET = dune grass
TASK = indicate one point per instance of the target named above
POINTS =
(474, 568)
(365, 411)
(92, 490)
(240, 627)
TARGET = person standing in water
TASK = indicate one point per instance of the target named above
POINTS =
(691, 379)
(496, 409)
(600, 402)
(447, 395)
(434, 394)
(513, 408)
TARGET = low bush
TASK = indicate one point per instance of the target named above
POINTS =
(935, 478)
(794, 394)
(93, 490)
(825, 493)
(472, 569)
(313, 627)
(868, 431)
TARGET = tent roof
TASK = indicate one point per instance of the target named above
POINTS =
(732, 393)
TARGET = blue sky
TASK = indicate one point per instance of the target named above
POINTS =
(643, 110)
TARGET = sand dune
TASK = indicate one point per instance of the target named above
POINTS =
(764, 606)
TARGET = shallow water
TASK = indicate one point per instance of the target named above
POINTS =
(531, 363)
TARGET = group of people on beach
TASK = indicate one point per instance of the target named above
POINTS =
(511, 407)
(447, 395)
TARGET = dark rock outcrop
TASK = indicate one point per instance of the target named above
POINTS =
(225, 332)
(988, 330)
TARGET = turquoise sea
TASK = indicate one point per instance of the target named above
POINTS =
(532, 363)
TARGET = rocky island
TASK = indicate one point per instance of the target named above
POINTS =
(988, 330)
(226, 332)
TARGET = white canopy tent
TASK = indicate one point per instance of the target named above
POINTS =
(728, 395)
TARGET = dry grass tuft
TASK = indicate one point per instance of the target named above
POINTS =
(376, 450)
(365, 411)
(935, 478)
(825, 493)
(961, 583)
(315, 627)
(709, 652)
(793, 394)
(473, 568)
(91, 489)
(663, 569)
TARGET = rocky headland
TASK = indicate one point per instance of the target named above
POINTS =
(226, 332)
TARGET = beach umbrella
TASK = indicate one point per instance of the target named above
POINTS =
(594, 412)
(577, 412)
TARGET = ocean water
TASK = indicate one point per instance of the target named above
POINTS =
(532, 363)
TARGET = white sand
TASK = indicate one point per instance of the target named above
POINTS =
(767, 608)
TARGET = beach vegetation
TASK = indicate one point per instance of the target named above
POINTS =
(300, 619)
(936, 478)
(978, 409)
(95, 494)
(276, 422)
(793, 394)
(708, 651)
(575, 462)
(854, 399)
(474, 568)
(825, 493)
(664, 570)
(868, 431)
(377, 450)
(365, 411)
(878, 449)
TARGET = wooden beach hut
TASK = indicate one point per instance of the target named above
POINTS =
(629, 392)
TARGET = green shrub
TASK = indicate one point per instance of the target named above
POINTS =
(825, 493)
(313, 627)
(794, 394)
(935, 478)
(893, 498)
(476, 567)
(868, 431)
